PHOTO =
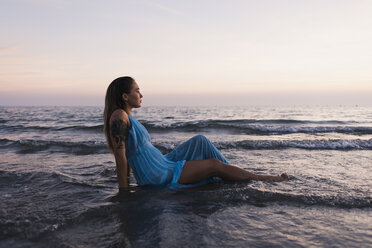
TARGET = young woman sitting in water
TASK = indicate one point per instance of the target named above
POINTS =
(194, 162)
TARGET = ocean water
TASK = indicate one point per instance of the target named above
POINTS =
(58, 182)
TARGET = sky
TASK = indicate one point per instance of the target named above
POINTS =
(194, 52)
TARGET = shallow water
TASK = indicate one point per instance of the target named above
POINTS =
(58, 182)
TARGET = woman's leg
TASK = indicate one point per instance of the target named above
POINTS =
(198, 170)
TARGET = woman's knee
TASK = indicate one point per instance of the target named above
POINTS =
(214, 161)
(199, 137)
(215, 166)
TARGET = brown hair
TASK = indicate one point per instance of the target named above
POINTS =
(114, 101)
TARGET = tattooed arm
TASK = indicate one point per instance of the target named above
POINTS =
(119, 129)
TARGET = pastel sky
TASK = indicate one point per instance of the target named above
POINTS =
(190, 52)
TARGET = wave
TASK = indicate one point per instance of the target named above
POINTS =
(225, 194)
(239, 126)
(261, 127)
(325, 144)
(100, 147)
(27, 128)
(258, 197)
(98, 128)
(239, 122)
(34, 146)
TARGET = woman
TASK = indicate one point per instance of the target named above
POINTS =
(194, 162)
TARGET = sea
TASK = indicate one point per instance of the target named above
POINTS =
(58, 184)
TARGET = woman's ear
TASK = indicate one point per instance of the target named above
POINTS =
(124, 97)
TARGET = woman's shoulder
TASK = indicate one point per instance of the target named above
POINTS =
(119, 114)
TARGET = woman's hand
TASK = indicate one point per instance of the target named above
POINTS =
(123, 190)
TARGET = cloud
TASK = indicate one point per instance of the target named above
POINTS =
(10, 49)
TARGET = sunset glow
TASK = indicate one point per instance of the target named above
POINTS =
(67, 52)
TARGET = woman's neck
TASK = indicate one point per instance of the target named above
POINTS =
(128, 110)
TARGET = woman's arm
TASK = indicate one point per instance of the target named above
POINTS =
(119, 134)
(122, 170)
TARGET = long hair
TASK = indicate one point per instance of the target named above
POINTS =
(114, 101)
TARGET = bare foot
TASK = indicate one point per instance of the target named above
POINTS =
(281, 178)
(285, 176)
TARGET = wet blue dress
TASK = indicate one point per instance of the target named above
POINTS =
(151, 167)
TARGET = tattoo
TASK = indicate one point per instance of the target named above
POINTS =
(119, 131)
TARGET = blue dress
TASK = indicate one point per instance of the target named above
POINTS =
(151, 167)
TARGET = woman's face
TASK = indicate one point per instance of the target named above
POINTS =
(133, 99)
